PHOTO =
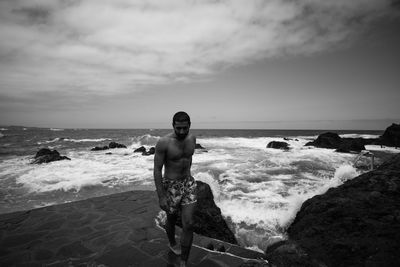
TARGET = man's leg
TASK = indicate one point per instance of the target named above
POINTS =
(170, 228)
(187, 230)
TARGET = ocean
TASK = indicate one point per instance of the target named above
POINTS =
(258, 189)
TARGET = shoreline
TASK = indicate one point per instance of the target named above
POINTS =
(113, 230)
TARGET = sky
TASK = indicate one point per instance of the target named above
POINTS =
(277, 64)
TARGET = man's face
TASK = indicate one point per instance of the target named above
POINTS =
(181, 129)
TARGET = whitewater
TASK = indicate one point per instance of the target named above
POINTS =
(258, 189)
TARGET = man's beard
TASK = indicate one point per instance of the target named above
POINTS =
(181, 136)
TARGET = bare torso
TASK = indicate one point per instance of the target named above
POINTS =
(178, 156)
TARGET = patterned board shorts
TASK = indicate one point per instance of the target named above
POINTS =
(180, 193)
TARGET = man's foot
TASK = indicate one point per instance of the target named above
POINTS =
(175, 249)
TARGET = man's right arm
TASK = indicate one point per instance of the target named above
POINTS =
(159, 160)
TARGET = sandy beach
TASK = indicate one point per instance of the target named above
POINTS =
(113, 230)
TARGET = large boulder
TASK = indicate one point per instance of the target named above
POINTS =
(326, 140)
(351, 144)
(334, 141)
(355, 224)
(46, 155)
(208, 220)
(391, 136)
(278, 145)
(289, 253)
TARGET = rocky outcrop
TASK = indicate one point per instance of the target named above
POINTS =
(140, 150)
(151, 151)
(355, 224)
(278, 145)
(208, 220)
(116, 145)
(391, 136)
(334, 141)
(112, 145)
(326, 140)
(290, 253)
(144, 152)
(198, 146)
(46, 155)
(351, 144)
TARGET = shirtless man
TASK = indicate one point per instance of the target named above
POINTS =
(177, 189)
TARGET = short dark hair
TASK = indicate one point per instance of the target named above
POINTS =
(180, 116)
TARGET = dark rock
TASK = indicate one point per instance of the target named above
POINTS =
(46, 155)
(97, 148)
(289, 253)
(391, 136)
(201, 148)
(333, 140)
(141, 149)
(151, 151)
(351, 144)
(278, 145)
(326, 140)
(208, 220)
(354, 224)
(116, 145)
(46, 151)
(108, 153)
(112, 145)
(198, 146)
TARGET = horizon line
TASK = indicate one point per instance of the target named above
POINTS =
(221, 129)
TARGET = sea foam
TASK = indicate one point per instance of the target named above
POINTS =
(260, 189)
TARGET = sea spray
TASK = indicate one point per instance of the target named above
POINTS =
(145, 140)
(342, 174)
(260, 210)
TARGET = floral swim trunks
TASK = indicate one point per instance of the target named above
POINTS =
(180, 192)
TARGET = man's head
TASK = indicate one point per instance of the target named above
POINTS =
(181, 124)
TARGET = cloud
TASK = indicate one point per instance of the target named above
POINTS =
(104, 47)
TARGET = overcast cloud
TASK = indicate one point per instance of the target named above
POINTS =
(103, 47)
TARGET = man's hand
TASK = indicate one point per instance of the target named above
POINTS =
(163, 203)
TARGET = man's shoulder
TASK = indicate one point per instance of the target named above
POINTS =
(192, 137)
(164, 140)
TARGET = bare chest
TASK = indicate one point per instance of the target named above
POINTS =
(179, 150)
